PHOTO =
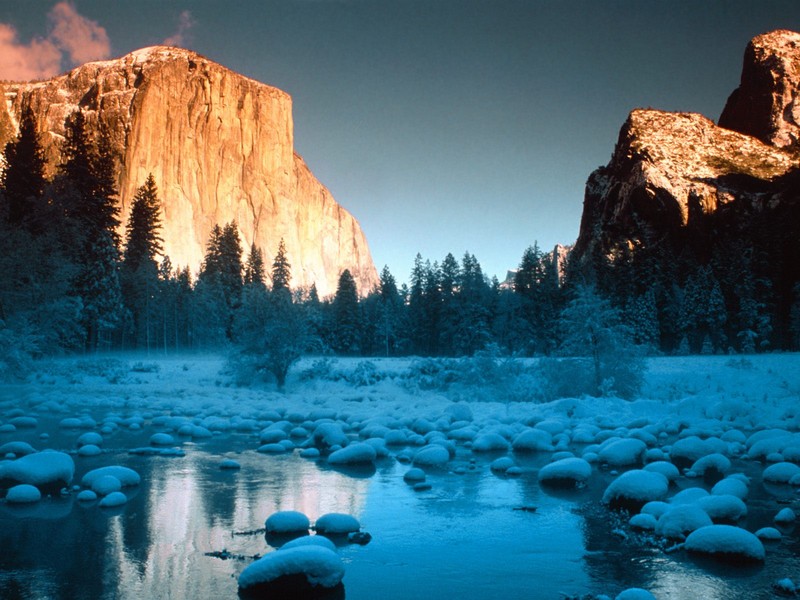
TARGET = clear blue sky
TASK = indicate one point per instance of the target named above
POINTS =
(454, 125)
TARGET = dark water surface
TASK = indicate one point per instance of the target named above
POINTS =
(461, 539)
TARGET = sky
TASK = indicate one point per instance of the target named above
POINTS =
(441, 125)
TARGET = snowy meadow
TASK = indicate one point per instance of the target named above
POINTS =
(127, 476)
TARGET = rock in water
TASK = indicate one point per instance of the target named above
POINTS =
(220, 147)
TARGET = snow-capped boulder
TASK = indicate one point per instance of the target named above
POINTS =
(48, 470)
(785, 516)
(17, 449)
(336, 523)
(711, 462)
(319, 567)
(769, 534)
(667, 469)
(309, 540)
(619, 453)
(23, 494)
(89, 450)
(490, 442)
(533, 440)
(731, 485)
(105, 485)
(328, 435)
(680, 520)
(568, 471)
(127, 477)
(634, 488)
(287, 521)
(723, 508)
(357, 453)
(432, 456)
(726, 542)
(781, 472)
(414, 475)
(113, 500)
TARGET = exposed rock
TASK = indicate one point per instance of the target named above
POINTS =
(663, 164)
(766, 105)
(684, 201)
(220, 147)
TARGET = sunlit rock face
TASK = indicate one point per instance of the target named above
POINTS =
(671, 170)
(221, 148)
(766, 105)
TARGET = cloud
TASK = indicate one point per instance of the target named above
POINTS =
(38, 59)
(81, 38)
(73, 39)
(180, 37)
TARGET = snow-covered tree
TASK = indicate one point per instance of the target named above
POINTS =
(593, 329)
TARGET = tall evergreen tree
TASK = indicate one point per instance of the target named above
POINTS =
(86, 196)
(212, 261)
(281, 270)
(144, 242)
(391, 308)
(221, 274)
(23, 181)
(473, 332)
(254, 271)
(141, 283)
(346, 316)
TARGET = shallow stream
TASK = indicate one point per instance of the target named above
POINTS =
(464, 538)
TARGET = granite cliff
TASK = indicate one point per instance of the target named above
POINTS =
(684, 199)
(667, 167)
(221, 148)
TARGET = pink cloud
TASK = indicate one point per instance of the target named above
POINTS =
(81, 38)
(73, 39)
(19, 62)
(180, 37)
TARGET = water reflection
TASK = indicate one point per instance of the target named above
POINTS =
(461, 538)
(155, 545)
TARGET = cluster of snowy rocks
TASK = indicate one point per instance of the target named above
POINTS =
(653, 460)
(306, 561)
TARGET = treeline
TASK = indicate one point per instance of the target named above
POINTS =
(69, 282)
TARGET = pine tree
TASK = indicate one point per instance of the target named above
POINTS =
(416, 330)
(87, 198)
(254, 273)
(346, 317)
(99, 288)
(222, 269)
(23, 181)
(212, 261)
(144, 242)
(281, 271)
(473, 330)
(704, 313)
(141, 283)
(391, 307)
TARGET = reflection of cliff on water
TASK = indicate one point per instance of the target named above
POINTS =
(156, 544)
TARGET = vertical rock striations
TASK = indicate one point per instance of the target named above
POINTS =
(221, 148)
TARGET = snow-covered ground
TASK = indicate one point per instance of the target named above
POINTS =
(747, 392)
(696, 417)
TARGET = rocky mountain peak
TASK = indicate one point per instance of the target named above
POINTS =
(667, 164)
(221, 148)
(766, 105)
